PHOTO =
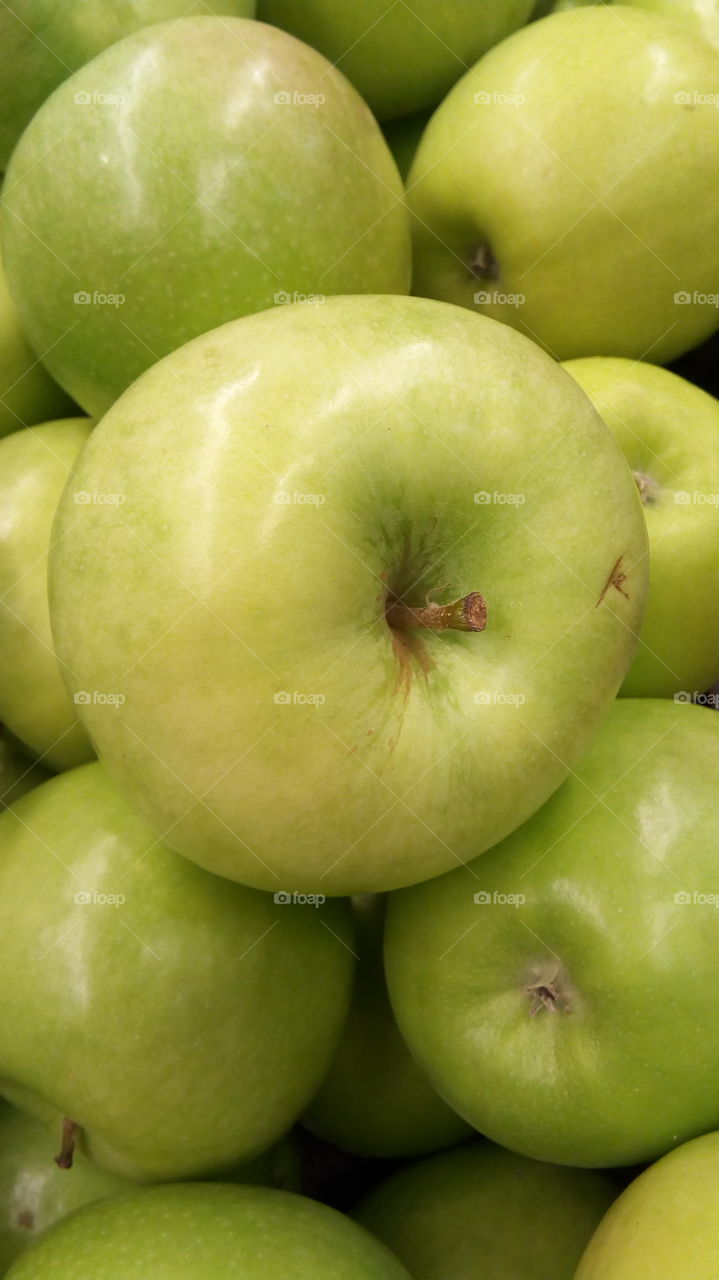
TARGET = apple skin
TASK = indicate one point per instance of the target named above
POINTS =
(375, 1100)
(565, 191)
(185, 1029)
(34, 703)
(483, 1211)
(701, 15)
(18, 774)
(668, 431)
(42, 41)
(390, 416)
(199, 1232)
(402, 58)
(577, 1027)
(670, 1213)
(202, 195)
(27, 392)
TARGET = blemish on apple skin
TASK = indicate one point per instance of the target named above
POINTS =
(25, 1220)
(616, 579)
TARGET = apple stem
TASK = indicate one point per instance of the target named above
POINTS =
(467, 614)
(67, 1150)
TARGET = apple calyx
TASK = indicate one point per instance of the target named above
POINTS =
(548, 991)
(467, 614)
(483, 264)
(67, 1150)
(647, 486)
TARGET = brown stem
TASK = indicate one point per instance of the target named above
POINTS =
(67, 1150)
(467, 614)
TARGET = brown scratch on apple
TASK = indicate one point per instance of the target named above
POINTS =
(616, 579)
(26, 1220)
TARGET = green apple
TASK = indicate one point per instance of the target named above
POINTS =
(27, 392)
(34, 703)
(35, 1192)
(668, 430)
(199, 1232)
(669, 1214)
(403, 138)
(194, 172)
(701, 16)
(375, 1100)
(43, 41)
(559, 992)
(18, 774)
(483, 1211)
(401, 57)
(316, 499)
(540, 187)
(174, 1023)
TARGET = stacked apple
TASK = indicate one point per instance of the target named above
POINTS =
(357, 763)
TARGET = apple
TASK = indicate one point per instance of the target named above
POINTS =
(558, 992)
(375, 1100)
(540, 195)
(34, 703)
(168, 1023)
(668, 430)
(483, 1211)
(27, 392)
(199, 1232)
(42, 41)
(401, 57)
(18, 774)
(322, 507)
(193, 172)
(670, 1213)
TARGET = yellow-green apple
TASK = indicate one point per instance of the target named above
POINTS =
(34, 703)
(668, 430)
(27, 392)
(193, 172)
(375, 1100)
(483, 1211)
(43, 41)
(699, 15)
(401, 57)
(556, 991)
(374, 582)
(198, 1232)
(547, 206)
(169, 1023)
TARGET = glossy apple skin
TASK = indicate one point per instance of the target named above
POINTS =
(668, 430)
(402, 58)
(699, 15)
(670, 1213)
(43, 41)
(183, 1030)
(483, 1211)
(375, 1100)
(34, 703)
(27, 392)
(568, 188)
(212, 595)
(199, 197)
(624, 1066)
(18, 774)
(195, 1232)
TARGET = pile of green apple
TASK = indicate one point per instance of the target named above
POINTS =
(359, 640)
